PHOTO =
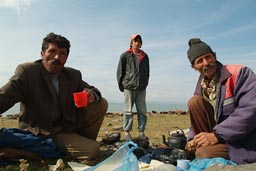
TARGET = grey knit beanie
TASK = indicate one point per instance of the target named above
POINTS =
(197, 48)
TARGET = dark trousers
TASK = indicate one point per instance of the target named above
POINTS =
(202, 120)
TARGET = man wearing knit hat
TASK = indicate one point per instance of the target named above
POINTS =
(132, 77)
(223, 108)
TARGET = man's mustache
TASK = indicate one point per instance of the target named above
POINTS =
(211, 65)
(56, 62)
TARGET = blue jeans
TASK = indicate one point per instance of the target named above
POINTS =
(139, 98)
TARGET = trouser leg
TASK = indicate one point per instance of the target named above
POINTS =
(201, 115)
(203, 120)
(90, 123)
(79, 147)
(218, 150)
(128, 105)
(141, 107)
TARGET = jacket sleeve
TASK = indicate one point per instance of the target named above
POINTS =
(148, 69)
(241, 122)
(76, 76)
(120, 72)
(12, 92)
(95, 90)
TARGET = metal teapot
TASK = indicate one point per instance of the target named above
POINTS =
(176, 140)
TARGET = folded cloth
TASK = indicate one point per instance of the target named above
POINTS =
(20, 140)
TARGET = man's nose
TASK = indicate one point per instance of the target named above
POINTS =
(57, 56)
(60, 58)
(205, 61)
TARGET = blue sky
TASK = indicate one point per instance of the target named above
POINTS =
(100, 30)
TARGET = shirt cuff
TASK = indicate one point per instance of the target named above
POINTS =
(220, 140)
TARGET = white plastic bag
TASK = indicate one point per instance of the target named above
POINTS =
(122, 160)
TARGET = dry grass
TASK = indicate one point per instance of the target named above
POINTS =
(158, 125)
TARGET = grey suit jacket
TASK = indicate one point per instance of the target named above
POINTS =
(37, 106)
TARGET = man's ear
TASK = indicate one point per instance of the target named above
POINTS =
(214, 54)
(193, 66)
(42, 54)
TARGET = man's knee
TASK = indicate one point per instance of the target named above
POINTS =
(194, 100)
(93, 151)
(89, 151)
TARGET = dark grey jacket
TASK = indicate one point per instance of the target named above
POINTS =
(38, 108)
(132, 74)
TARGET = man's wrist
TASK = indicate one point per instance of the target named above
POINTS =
(220, 140)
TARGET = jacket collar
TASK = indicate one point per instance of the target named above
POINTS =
(64, 81)
(142, 53)
(222, 72)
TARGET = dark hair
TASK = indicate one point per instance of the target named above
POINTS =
(59, 40)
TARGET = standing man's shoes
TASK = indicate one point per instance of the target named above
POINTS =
(127, 136)
(142, 135)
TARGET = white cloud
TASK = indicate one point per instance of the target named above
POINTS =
(18, 5)
(235, 31)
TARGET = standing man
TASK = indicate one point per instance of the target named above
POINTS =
(132, 77)
(45, 90)
(223, 108)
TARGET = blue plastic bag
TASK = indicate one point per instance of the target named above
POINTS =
(122, 160)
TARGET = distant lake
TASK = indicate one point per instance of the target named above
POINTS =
(151, 106)
(118, 107)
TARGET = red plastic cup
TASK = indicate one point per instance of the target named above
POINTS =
(80, 99)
